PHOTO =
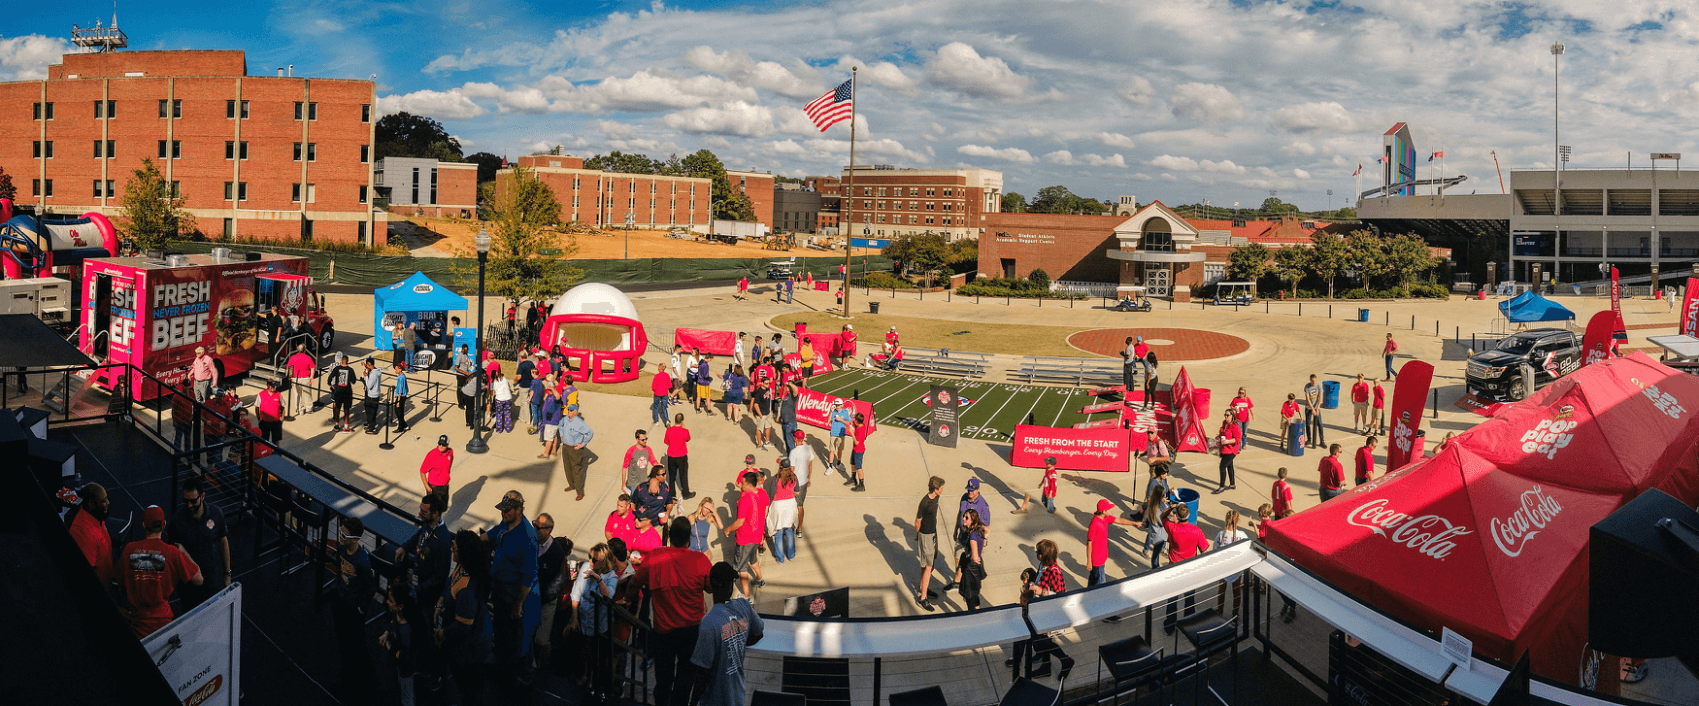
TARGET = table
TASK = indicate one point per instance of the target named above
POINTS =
(1680, 347)
(339, 500)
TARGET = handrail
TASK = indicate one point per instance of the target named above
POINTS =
(284, 346)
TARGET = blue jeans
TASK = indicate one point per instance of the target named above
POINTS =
(1049, 503)
(788, 430)
(784, 545)
(536, 412)
(1190, 600)
(1244, 432)
(658, 410)
(1096, 577)
(185, 436)
(1389, 371)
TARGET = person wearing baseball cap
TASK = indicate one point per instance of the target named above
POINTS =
(434, 471)
(514, 598)
(970, 500)
(1097, 539)
(846, 346)
(1046, 488)
(801, 458)
(152, 570)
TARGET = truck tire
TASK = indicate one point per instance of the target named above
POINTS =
(326, 339)
(1518, 388)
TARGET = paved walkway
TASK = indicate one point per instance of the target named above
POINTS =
(865, 540)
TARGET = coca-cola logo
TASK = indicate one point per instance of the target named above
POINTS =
(1533, 514)
(1432, 536)
(1551, 435)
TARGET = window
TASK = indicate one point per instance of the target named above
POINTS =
(229, 227)
(881, 191)
(946, 220)
(949, 192)
(44, 150)
(365, 154)
(298, 107)
(172, 108)
(630, 204)
(365, 113)
(575, 185)
(881, 218)
(312, 114)
(913, 205)
(949, 207)
(110, 151)
(233, 108)
(913, 191)
(632, 187)
(362, 193)
(675, 188)
(229, 151)
(242, 191)
(672, 205)
(229, 190)
(306, 229)
(362, 233)
(297, 151)
(693, 191)
(44, 111)
(176, 189)
(929, 191)
(173, 150)
(867, 204)
(312, 193)
(913, 219)
(295, 193)
(930, 206)
(651, 204)
(881, 205)
(575, 202)
(105, 109)
(312, 151)
(103, 188)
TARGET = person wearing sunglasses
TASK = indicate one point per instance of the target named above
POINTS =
(354, 583)
(201, 531)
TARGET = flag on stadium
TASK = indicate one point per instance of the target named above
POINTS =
(1359, 170)
(1440, 154)
(837, 105)
(1431, 157)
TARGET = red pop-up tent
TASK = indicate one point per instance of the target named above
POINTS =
(1489, 536)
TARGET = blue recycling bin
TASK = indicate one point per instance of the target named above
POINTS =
(1363, 315)
(1295, 439)
(1189, 498)
(1330, 394)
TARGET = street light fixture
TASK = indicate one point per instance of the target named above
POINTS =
(476, 445)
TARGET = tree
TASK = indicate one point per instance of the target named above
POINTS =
(529, 258)
(7, 190)
(728, 204)
(1364, 254)
(151, 214)
(1249, 263)
(622, 163)
(1406, 255)
(1290, 265)
(1052, 199)
(408, 135)
(1328, 256)
(488, 164)
(1014, 203)
(925, 252)
(1039, 278)
(1274, 205)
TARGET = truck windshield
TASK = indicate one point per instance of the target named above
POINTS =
(1516, 344)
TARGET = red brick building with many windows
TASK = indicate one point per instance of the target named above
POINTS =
(887, 202)
(276, 157)
(603, 199)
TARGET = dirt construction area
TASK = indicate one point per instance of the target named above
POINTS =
(449, 237)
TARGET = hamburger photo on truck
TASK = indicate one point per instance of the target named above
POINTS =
(153, 312)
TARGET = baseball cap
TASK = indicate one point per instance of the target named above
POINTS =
(849, 327)
(512, 501)
(893, 328)
(442, 440)
(572, 408)
(153, 514)
(973, 484)
(749, 458)
(784, 462)
(1103, 505)
(798, 434)
(1140, 338)
(1050, 460)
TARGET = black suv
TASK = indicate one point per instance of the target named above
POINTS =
(1546, 353)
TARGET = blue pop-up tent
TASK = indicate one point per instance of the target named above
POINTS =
(405, 301)
(1529, 307)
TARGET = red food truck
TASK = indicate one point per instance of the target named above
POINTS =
(153, 312)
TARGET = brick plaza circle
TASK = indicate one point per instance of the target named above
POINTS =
(1169, 344)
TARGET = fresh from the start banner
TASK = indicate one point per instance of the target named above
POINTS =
(1074, 449)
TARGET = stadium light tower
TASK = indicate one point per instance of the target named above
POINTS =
(1557, 163)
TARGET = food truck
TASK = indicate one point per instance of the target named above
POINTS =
(152, 312)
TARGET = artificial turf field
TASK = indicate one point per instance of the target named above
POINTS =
(996, 408)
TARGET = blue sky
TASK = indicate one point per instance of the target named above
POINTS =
(1180, 100)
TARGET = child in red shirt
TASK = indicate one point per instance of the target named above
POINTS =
(1282, 496)
(1046, 488)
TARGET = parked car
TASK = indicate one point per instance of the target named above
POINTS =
(1522, 362)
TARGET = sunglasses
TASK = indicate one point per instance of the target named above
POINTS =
(545, 528)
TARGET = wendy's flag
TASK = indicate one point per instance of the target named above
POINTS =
(1409, 395)
(1596, 344)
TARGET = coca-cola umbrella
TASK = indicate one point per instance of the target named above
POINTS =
(1617, 426)
(1452, 541)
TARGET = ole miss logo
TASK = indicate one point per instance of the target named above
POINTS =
(817, 606)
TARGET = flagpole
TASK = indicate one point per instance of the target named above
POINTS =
(845, 200)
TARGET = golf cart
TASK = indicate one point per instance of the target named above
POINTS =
(780, 269)
(1132, 300)
(1235, 293)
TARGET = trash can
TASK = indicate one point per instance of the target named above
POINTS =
(1481, 294)
(873, 307)
(1295, 439)
(1189, 498)
(1363, 315)
(1201, 397)
(1330, 394)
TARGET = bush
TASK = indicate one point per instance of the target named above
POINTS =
(998, 287)
(881, 280)
(1039, 278)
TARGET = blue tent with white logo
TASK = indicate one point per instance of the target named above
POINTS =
(1529, 307)
(404, 301)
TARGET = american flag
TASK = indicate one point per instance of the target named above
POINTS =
(828, 110)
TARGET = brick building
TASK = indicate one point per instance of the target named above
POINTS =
(1153, 247)
(417, 186)
(830, 190)
(274, 157)
(758, 186)
(952, 202)
(603, 199)
(795, 209)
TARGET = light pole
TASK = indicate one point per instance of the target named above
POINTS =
(476, 445)
(1557, 167)
(630, 219)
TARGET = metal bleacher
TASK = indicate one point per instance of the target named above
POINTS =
(943, 361)
(1076, 371)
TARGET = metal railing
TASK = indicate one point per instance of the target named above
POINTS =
(1090, 289)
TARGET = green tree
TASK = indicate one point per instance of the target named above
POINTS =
(1365, 254)
(1406, 255)
(1039, 278)
(926, 253)
(622, 163)
(1052, 199)
(151, 214)
(408, 135)
(529, 258)
(728, 205)
(1014, 203)
(488, 164)
(1249, 263)
(7, 190)
(1291, 263)
(1328, 256)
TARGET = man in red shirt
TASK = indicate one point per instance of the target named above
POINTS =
(88, 528)
(1282, 496)
(749, 529)
(1366, 461)
(153, 570)
(1390, 348)
(1360, 405)
(622, 522)
(661, 387)
(433, 472)
(1097, 539)
(302, 367)
(676, 578)
(1332, 474)
(1379, 418)
(1185, 541)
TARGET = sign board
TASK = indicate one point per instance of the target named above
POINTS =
(825, 604)
(1099, 449)
(200, 653)
(1667, 155)
(875, 243)
(1456, 648)
(943, 429)
(630, 219)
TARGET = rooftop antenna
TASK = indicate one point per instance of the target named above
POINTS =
(101, 39)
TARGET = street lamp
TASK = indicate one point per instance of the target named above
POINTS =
(1558, 158)
(476, 445)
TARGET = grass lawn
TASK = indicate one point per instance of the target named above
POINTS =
(980, 337)
(996, 408)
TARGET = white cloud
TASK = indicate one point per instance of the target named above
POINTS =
(1115, 139)
(1060, 157)
(1206, 102)
(463, 141)
(327, 25)
(1325, 116)
(26, 58)
(880, 73)
(1225, 166)
(798, 81)
(938, 128)
(1301, 174)
(1299, 147)
(730, 118)
(452, 104)
(1113, 160)
(1138, 92)
(1011, 154)
(833, 148)
(1178, 164)
(618, 130)
(717, 141)
(784, 147)
(958, 66)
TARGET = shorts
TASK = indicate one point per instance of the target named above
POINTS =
(702, 392)
(855, 459)
(732, 398)
(1360, 407)
(765, 421)
(801, 495)
(549, 432)
(808, 370)
(744, 557)
(926, 549)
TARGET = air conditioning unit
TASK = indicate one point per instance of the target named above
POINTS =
(177, 261)
(221, 254)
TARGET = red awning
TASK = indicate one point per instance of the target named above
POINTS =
(281, 277)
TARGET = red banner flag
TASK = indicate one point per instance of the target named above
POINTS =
(1188, 428)
(1690, 308)
(1099, 449)
(711, 342)
(1618, 330)
(1596, 344)
(815, 409)
(1409, 396)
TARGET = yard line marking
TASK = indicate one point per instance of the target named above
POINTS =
(1067, 401)
(988, 420)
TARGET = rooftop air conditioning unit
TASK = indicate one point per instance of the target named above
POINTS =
(221, 254)
(177, 260)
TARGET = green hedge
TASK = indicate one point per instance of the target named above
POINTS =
(881, 280)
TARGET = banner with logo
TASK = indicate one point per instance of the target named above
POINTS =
(711, 342)
(1618, 331)
(1188, 426)
(1409, 396)
(1099, 449)
(814, 408)
(1596, 344)
(1690, 308)
(200, 653)
(943, 429)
